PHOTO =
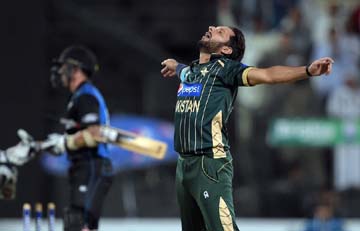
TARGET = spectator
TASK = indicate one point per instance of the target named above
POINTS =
(334, 47)
(298, 32)
(324, 219)
(344, 104)
(354, 20)
(328, 15)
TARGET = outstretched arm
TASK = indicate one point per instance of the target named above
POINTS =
(284, 74)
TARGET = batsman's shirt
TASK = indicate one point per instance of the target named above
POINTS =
(205, 100)
(85, 108)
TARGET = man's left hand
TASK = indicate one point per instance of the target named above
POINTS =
(321, 66)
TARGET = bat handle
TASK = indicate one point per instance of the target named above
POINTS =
(109, 134)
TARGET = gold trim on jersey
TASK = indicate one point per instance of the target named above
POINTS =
(218, 146)
(245, 76)
(225, 216)
(221, 63)
(207, 100)
(201, 97)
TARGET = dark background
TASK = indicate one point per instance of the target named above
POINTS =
(131, 38)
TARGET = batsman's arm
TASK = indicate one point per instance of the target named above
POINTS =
(285, 74)
(57, 144)
(89, 137)
(80, 139)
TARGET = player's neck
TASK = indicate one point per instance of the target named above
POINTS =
(204, 57)
(75, 84)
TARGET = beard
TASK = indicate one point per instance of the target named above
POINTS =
(209, 46)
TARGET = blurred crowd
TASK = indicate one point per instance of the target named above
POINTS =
(307, 180)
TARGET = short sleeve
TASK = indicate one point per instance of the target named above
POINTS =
(87, 110)
(182, 71)
(236, 73)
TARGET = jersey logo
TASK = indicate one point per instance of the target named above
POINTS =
(189, 89)
(204, 71)
(206, 194)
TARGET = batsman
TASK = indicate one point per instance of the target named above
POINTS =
(90, 174)
(85, 140)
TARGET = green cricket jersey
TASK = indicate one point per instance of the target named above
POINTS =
(204, 102)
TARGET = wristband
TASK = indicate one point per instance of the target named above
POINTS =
(307, 71)
(70, 143)
(179, 68)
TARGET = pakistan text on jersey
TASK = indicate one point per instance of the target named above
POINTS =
(187, 106)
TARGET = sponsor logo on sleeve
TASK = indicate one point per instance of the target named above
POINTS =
(90, 118)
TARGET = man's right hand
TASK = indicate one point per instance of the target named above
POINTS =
(169, 69)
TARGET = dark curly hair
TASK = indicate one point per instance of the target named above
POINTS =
(237, 43)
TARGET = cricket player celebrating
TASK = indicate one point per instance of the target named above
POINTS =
(90, 173)
(205, 100)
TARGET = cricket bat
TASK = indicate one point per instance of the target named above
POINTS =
(132, 142)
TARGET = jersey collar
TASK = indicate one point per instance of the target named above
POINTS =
(213, 57)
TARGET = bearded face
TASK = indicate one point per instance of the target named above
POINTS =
(209, 46)
(214, 40)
